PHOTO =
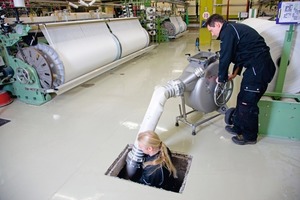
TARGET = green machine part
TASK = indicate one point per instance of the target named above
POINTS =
(161, 32)
(280, 118)
(187, 21)
(24, 84)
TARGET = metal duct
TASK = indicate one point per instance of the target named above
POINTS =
(202, 68)
(151, 118)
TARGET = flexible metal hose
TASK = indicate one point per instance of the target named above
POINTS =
(161, 94)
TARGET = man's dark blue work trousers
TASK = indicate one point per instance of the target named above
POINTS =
(254, 84)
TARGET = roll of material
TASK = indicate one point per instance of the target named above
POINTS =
(150, 17)
(170, 27)
(181, 23)
(178, 27)
(150, 26)
(175, 26)
(274, 35)
(131, 35)
(150, 11)
(84, 46)
(152, 32)
(291, 100)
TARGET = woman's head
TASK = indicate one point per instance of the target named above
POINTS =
(149, 142)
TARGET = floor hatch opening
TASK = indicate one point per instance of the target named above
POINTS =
(181, 161)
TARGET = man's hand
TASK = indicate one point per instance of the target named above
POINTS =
(233, 75)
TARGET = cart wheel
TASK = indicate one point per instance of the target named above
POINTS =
(194, 133)
(176, 124)
(229, 116)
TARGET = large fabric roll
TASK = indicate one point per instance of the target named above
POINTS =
(82, 47)
(131, 35)
(274, 35)
(181, 24)
(178, 27)
(175, 26)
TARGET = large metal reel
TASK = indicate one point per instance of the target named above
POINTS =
(55, 63)
(36, 59)
(223, 92)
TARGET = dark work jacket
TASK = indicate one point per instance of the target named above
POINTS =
(241, 45)
(156, 175)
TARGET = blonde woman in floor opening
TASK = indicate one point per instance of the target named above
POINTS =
(158, 169)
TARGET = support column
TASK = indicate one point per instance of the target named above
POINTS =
(206, 9)
(219, 7)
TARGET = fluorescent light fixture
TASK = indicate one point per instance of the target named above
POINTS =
(73, 5)
(83, 3)
(19, 3)
(92, 2)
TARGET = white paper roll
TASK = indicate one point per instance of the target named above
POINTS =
(274, 35)
(19, 3)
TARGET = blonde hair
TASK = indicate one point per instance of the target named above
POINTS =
(151, 139)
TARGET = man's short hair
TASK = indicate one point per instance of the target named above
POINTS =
(214, 18)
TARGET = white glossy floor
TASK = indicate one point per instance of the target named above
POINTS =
(62, 149)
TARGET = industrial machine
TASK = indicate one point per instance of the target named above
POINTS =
(72, 52)
(197, 88)
(17, 74)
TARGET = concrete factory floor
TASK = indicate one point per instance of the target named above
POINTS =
(61, 150)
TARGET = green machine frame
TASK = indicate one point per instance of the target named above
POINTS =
(24, 84)
(280, 118)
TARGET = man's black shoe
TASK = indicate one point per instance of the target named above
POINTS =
(239, 139)
(231, 129)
